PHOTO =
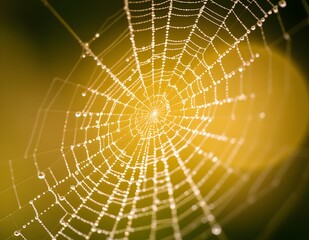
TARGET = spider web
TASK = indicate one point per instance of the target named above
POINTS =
(150, 136)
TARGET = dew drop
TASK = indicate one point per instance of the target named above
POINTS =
(61, 198)
(41, 175)
(259, 23)
(210, 217)
(84, 94)
(16, 233)
(286, 36)
(78, 114)
(216, 229)
(282, 3)
(97, 35)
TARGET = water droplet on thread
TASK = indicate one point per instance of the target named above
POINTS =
(78, 114)
(259, 23)
(286, 36)
(41, 175)
(61, 198)
(282, 3)
(16, 233)
(216, 229)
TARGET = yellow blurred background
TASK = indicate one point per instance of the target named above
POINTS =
(35, 49)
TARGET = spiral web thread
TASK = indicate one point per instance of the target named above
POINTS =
(119, 152)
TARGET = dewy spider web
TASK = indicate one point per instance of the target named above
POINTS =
(169, 129)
